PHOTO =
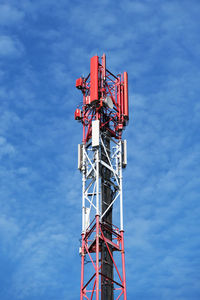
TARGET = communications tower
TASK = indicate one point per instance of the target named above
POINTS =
(101, 157)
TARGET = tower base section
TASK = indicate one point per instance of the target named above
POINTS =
(91, 262)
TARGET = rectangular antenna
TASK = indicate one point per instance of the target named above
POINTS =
(94, 65)
(124, 154)
(80, 156)
(95, 133)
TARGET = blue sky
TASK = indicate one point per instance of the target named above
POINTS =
(44, 46)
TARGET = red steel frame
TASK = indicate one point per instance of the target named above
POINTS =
(89, 247)
(105, 98)
(103, 84)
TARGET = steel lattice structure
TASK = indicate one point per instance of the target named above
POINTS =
(101, 158)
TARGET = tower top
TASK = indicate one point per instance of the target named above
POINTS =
(105, 98)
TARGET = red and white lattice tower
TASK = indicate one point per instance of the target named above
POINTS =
(101, 158)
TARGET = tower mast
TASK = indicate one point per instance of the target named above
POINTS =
(101, 157)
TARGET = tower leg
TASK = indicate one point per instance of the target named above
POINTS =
(123, 264)
(97, 257)
(82, 267)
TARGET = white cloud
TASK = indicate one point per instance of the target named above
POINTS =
(59, 74)
(9, 230)
(10, 47)
(41, 254)
(5, 147)
(7, 118)
(10, 15)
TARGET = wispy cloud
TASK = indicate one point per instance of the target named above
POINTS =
(10, 15)
(10, 47)
(36, 268)
(5, 147)
(44, 47)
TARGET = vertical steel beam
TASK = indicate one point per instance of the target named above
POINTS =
(97, 257)
(123, 265)
(82, 265)
(121, 190)
(83, 187)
